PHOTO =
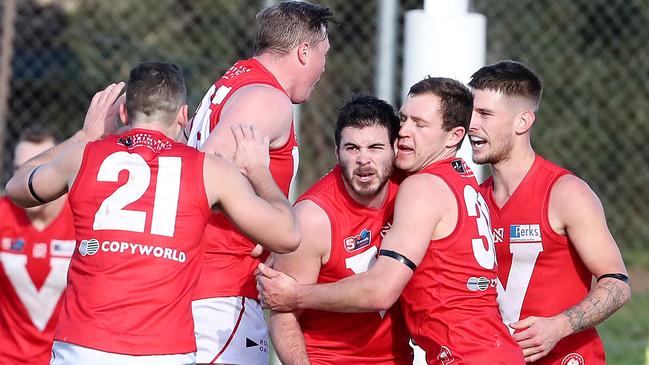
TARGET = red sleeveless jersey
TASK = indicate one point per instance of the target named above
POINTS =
(450, 302)
(227, 250)
(33, 272)
(547, 276)
(356, 232)
(139, 216)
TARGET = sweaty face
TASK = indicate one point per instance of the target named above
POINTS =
(366, 159)
(421, 137)
(491, 131)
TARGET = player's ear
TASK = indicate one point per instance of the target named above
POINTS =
(303, 53)
(455, 137)
(123, 115)
(182, 116)
(524, 122)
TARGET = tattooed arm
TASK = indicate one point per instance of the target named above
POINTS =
(575, 211)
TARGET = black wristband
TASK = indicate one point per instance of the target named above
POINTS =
(617, 276)
(399, 257)
(31, 186)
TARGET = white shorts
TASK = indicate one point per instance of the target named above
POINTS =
(230, 330)
(65, 353)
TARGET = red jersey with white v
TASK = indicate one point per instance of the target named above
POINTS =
(139, 211)
(356, 232)
(540, 271)
(33, 274)
(450, 302)
(227, 250)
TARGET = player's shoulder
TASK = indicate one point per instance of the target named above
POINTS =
(216, 168)
(262, 94)
(424, 181)
(424, 188)
(310, 213)
(569, 187)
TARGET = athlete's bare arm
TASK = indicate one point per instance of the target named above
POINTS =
(422, 205)
(255, 205)
(57, 167)
(575, 211)
(304, 266)
(269, 110)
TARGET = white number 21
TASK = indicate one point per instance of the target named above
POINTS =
(111, 213)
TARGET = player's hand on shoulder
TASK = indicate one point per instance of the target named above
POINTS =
(276, 289)
(102, 117)
(252, 148)
(537, 336)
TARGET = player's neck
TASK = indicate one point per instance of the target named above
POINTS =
(158, 127)
(510, 172)
(280, 68)
(42, 217)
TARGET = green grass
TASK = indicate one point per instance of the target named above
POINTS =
(626, 333)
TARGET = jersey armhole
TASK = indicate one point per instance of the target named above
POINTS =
(332, 227)
(545, 215)
(461, 213)
(82, 169)
(206, 212)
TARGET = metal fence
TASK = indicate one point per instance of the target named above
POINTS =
(592, 55)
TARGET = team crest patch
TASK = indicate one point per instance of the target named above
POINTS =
(445, 356)
(358, 241)
(461, 167)
(89, 247)
(573, 359)
(524, 233)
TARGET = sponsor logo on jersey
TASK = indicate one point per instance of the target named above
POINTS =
(461, 167)
(499, 234)
(63, 248)
(573, 359)
(475, 284)
(13, 244)
(92, 246)
(524, 233)
(88, 247)
(358, 241)
(445, 356)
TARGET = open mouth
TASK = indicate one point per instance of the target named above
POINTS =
(477, 141)
(364, 176)
(405, 149)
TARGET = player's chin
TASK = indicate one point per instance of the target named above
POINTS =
(404, 163)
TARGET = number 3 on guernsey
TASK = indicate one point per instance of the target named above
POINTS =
(111, 213)
(475, 204)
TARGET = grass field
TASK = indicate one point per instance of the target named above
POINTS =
(626, 333)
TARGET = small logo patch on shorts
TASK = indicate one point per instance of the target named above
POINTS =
(573, 359)
(445, 356)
